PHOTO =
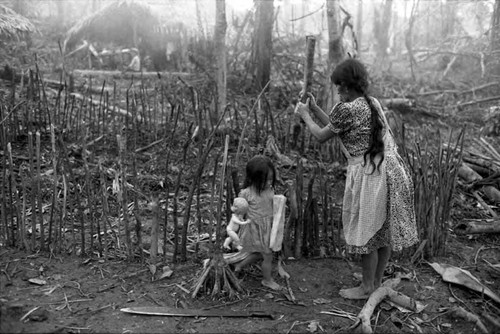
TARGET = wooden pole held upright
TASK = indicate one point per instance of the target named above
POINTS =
(308, 67)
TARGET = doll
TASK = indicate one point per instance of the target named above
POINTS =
(240, 210)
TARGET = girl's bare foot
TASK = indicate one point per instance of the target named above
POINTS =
(271, 284)
(355, 293)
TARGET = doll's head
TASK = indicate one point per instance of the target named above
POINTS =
(260, 173)
(240, 206)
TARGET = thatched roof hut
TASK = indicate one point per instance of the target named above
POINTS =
(13, 25)
(124, 22)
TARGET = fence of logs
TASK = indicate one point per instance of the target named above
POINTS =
(71, 182)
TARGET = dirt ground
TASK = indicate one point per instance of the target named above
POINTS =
(83, 295)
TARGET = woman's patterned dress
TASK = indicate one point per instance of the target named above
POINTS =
(378, 206)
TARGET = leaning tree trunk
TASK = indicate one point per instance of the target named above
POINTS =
(263, 43)
(220, 47)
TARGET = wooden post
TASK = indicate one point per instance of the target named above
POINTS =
(308, 67)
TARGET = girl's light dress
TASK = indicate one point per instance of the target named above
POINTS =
(255, 236)
(378, 208)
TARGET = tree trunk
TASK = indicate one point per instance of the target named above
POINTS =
(495, 35)
(287, 15)
(220, 47)
(201, 31)
(448, 13)
(335, 49)
(263, 43)
(495, 27)
(382, 24)
(61, 13)
(409, 37)
(359, 25)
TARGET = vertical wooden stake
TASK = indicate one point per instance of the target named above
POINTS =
(154, 230)
(39, 192)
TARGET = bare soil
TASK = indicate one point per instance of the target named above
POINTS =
(85, 295)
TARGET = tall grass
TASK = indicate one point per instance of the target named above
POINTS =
(434, 171)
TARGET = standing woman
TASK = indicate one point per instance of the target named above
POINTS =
(378, 210)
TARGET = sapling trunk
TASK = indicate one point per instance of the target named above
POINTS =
(55, 181)
(122, 193)
(198, 216)
(67, 173)
(167, 181)
(216, 270)
(165, 222)
(13, 198)
(22, 225)
(105, 207)
(3, 215)
(39, 191)
(88, 191)
(324, 190)
(212, 201)
(299, 222)
(153, 252)
(175, 218)
(187, 213)
(138, 223)
(31, 154)
(308, 218)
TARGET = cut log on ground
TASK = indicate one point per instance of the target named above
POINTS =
(129, 75)
(469, 175)
(484, 164)
(478, 226)
(109, 108)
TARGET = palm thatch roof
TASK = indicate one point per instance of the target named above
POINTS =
(123, 22)
(13, 25)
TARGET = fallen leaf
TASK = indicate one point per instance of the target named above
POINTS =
(313, 326)
(167, 272)
(320, 301)
(152, 269)
(37, 281)
(418, 305)
(463, 277)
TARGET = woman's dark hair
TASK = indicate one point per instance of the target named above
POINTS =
(352, 74)
(257, 172)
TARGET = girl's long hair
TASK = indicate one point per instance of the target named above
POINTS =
(352, 74)
(257, 172)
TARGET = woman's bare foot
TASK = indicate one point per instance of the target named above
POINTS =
(271, 284)
(355, 293)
